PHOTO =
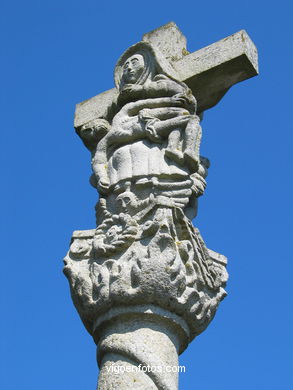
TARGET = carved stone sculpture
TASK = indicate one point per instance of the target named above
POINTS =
(143, 282)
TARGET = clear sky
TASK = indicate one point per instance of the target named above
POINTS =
(58, 53)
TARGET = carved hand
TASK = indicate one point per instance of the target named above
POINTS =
(130, 88)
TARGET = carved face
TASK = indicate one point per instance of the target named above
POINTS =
(127, 202)
(133, 68)
(112, 234)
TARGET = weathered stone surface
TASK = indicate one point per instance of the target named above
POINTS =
(150, 274)
(96, 107)
(150, 341)
(143, 282)
(209, 72)
(169, 40)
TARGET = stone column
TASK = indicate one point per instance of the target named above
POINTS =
(143, 281)
(139, 349)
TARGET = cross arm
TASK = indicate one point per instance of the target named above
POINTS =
(209, 72)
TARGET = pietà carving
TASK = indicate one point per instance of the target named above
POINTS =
(144, 282)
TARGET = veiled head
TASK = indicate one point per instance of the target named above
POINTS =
(136, 65)
(133, 68)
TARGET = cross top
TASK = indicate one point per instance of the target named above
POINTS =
(208, 72)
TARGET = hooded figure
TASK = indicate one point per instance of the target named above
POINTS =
(142, 72)
(151, 104)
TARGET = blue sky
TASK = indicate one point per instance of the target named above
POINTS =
(58, 53)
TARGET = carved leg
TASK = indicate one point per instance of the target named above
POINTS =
(99, 165)
(173, 151)
(192, 140)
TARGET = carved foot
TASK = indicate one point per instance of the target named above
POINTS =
(175, 155)
(191, 161)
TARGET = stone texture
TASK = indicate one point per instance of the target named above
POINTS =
(93, 108)
(209, 72)
(150, 342)
(152, 274)
(169, 40)
(143, 281)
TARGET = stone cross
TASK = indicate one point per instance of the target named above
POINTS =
(209, 72)
(143, 281)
